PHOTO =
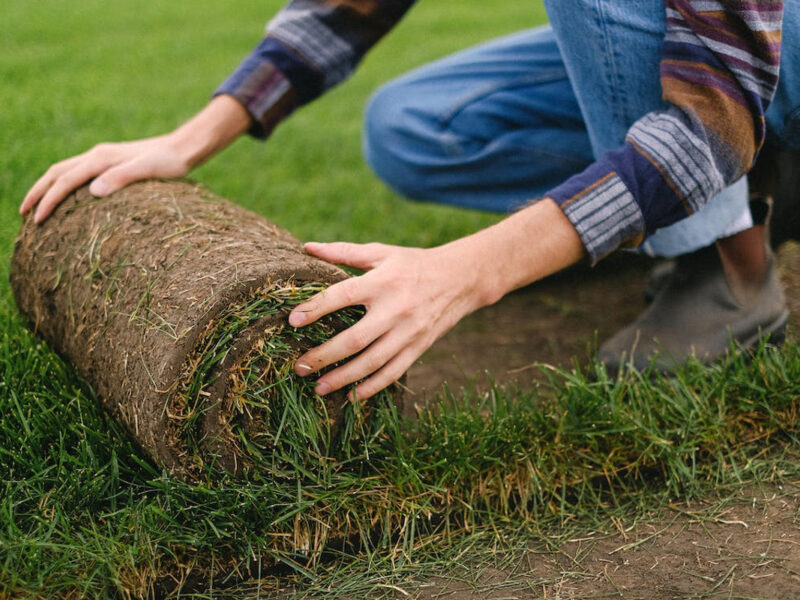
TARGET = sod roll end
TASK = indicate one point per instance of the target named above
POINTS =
(172, 303)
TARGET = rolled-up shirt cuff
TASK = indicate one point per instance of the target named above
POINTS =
(264, 91)
(603, 211)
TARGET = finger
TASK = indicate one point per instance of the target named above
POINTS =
(345, 293)
(363, 365)
(360, 256)
(65, 184)
(117, 178)
(347, 343)
(390, 373)
(44, 182)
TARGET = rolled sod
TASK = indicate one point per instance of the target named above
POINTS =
(172, 303)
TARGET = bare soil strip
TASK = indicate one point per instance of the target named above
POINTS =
(750, 549)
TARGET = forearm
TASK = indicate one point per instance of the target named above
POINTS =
(211, 130)
(525, 247)
(311, 46)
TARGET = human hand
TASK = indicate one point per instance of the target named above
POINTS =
(111, 165)
(412, 296)
(115, 165)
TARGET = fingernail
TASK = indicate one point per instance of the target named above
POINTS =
(322, 388)
(302, 367)
(296, 319)
(98, 188)
(312, 244)
(37, 218)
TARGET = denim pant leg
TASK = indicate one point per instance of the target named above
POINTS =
(490, 128)
(612, 52)
(783, 114)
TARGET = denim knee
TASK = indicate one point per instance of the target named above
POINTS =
(387, 140)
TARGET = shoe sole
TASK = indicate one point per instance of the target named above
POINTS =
(776, 332)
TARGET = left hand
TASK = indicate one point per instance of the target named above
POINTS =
(412, 296)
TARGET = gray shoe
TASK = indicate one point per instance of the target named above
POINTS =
(659, 278)
(695, 314)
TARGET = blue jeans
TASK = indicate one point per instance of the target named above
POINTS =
(497, 125)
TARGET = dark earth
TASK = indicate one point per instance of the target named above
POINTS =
(556, 321)
(749, 548)
(553, 322)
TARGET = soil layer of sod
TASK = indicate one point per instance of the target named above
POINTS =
(172, 303)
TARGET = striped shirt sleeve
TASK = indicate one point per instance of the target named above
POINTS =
(719, 72)
(310, 46)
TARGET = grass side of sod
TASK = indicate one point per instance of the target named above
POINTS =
(82, 514)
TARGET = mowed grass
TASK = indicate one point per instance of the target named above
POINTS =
(82, 514)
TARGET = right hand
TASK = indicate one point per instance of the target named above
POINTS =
(111, 165)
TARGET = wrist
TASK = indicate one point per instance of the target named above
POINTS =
(519, 250)
(474, 266)
(222, 121)
(184, 147)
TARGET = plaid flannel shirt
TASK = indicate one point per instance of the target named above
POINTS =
(719, 72)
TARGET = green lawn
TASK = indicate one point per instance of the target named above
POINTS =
(75, 76)
(83, 515)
